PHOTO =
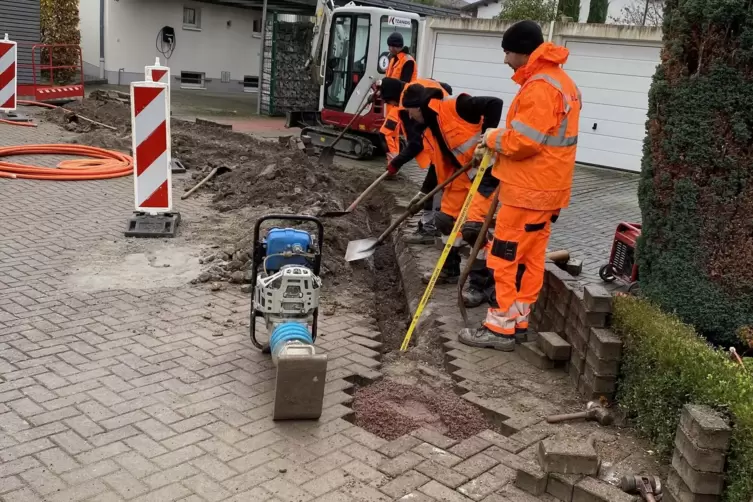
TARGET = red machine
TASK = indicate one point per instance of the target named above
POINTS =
(622, 258)
(50, 82)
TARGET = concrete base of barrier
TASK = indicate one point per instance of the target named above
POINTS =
(177, 166)
(14, 117)
(299, 394)
(153, 225)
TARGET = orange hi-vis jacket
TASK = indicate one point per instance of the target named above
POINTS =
(461, 137)
(392, 128)
(535, 157)
(395, 67)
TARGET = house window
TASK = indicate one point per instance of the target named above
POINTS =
(191, 80)
(250, 84)
(256, 28)
(191, 18)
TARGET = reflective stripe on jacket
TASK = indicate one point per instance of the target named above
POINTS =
(536, 150)
(461, 137)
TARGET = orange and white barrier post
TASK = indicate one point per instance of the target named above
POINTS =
(152, 181)
(159, 73)
(8, 77)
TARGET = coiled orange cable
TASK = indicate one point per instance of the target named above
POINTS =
(102, 164)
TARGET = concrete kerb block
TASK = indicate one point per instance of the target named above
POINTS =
(560, 486)
(700, 459)
(597, 298)
(699, 482)
(533, 355)
(677, 490)
(554, 346)
(530, 478)
(568, 456)
(605, 344)
(602, 367)
(593, 490)
(705, 427)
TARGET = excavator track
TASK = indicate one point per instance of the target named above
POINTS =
(351, 146)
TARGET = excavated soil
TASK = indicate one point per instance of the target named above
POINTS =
(390, 409)
(268, 176)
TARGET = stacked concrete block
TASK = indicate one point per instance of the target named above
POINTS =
(596, 351)
(546, 350)
(701, 445)
(550, 310)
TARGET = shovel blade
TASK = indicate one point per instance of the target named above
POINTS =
(327, 156)
(360, 249)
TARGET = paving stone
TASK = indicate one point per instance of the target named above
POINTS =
(437, 455)
(441, 492)
(561, 486)
(529, 477)
(476, 465)
(592, 490)
(443, 474)
(480, 487)
(703, 483)
(399, 445)
(401, 463)
(554, 346)
(471, 446)
(568, 457)
(415, 497)
(404, 484)
(707, 429)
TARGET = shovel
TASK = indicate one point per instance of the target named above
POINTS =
(352, 207)
(363, 248)
(328, 153)
(214, 172)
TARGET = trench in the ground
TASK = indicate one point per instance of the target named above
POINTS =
(415, 391)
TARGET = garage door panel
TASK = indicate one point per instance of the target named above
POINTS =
(485, 84)
(610, 129)
(627, 83)
(474, 55)
(619, 51)
(458, 40)
(598, 112)
(611, 159)
(611, 143)
(475, 69)
(638, 100)
(611, 66)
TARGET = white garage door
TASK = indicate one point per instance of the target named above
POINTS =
(614, 80)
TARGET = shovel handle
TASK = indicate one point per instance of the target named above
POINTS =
(361, 107)
(367, 192)
(480, 241)
(553, 419)
(198, 185)
(413, 208)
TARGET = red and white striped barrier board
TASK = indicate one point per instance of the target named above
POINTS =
(8, 89)
(158, 73)
(150, 128)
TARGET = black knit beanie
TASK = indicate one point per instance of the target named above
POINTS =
(395, 40)
(413, 96)
(523, 37)
(391, 89)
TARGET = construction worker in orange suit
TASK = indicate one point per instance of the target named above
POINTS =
(535, 161)
(402, 66)
(453, 128)
(395, 126)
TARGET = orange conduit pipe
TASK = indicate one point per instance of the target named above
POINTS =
(21, 124)
(102, 164)
(28, 103)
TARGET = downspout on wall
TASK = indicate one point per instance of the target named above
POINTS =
(102, 72)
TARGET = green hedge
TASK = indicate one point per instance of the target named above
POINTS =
(666, 364)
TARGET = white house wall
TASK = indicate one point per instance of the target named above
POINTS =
(225, 42)
(89, 27)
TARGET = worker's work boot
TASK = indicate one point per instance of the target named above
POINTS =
(425, 234)
(473, 297)
(486, 339)
(450, 272)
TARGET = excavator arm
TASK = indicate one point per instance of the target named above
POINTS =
(324, 9)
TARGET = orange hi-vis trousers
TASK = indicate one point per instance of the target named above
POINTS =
(520, 240)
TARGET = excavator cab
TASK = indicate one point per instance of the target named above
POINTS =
(349, 55)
